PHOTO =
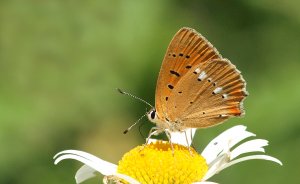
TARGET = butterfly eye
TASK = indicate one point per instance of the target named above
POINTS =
(152, 114)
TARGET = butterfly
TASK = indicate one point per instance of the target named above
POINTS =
(196, 86)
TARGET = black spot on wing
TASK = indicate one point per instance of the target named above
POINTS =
(175, 73)
(170, 86)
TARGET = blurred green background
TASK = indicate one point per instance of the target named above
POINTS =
(61, 61)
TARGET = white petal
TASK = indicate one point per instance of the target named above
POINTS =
(104, 167)
(184, 138)
(252, 157)
(84, 173)
(77, 152)
(239, 137)
(214, 166)
(249, 146)
(94, 163)
(205, 182)
(100, 168)
(227, 139)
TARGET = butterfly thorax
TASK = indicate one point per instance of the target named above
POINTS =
(164, 123)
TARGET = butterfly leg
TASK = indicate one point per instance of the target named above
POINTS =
(191, 138)
(153, 131)
(187, 142)
(169, 137)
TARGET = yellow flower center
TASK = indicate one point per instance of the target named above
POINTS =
(157, 163)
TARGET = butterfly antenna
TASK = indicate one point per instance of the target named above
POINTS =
(128, 129)
(132, 96)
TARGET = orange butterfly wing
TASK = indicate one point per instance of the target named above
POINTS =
(210, 93)
(196, 87)
(187, 49)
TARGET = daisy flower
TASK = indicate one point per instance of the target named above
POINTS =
(158, 162)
